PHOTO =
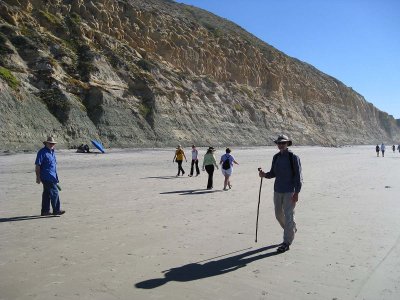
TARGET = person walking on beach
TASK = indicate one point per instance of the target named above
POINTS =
(286, 169)
(208, 165)
(179, 155)
(383, 147)
(226, 162)
(377, 149)
(195, 161)
(46, 173)
(398, 148)
(394, 148)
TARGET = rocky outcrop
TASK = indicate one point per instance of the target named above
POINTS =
(139, 73)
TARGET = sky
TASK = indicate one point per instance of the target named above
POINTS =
(355, 41)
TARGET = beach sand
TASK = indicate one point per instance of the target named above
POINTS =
(132, 230)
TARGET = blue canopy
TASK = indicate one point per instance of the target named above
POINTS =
(98, 145)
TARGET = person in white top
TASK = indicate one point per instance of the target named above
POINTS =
(383, 149)
(195, 161)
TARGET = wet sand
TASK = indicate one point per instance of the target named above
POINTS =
(132, 230)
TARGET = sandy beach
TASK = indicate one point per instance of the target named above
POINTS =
(132, 230)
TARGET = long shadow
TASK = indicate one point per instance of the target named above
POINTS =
(196, 271)
(91, 152)
(159, 177)
(25, 218)
(191, 192)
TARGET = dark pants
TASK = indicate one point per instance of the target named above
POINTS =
(50, 195)
(180, 167)
(210, 172)
(195, 162)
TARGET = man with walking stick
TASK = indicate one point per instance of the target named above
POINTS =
(286, 169)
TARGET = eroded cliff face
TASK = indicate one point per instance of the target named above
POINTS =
(156, 73)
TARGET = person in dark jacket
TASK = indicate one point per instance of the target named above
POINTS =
(286, 169)
(377, 149)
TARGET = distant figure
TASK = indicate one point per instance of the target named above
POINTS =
(46, 173)
(398, 148)
(377, 149)
(83, 148)
(226, 162)
(195, 161)
(383, 147)
(286, 169)
(394, 148)
(179, 155)
(208, 165)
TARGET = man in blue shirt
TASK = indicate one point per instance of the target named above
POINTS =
(286, 169)
(46, 173)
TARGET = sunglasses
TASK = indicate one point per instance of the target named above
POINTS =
(281, 143)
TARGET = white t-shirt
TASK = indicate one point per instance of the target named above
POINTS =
(195, 153)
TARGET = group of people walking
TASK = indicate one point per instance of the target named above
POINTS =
(382, 149)
(285, 168)
(209, 164)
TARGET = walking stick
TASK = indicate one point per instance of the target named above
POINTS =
(258, 206)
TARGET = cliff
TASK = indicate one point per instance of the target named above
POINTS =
(139, 73)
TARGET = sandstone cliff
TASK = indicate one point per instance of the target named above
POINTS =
(136, 73)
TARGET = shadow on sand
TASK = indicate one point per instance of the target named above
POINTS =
(159, 177)
(196, 271)
(25, 218)
(191, 192)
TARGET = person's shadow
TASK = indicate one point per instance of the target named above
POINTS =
(159, 177)
(25, 218)
(195, 271)
(191, 192)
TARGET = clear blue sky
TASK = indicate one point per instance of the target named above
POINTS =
(355, 41)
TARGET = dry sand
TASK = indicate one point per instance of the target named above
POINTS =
(129, 221)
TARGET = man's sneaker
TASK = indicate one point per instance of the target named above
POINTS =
(60, 212)
(283, 248)
(46, 213)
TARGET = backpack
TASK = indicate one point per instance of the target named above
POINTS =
(226, 164)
